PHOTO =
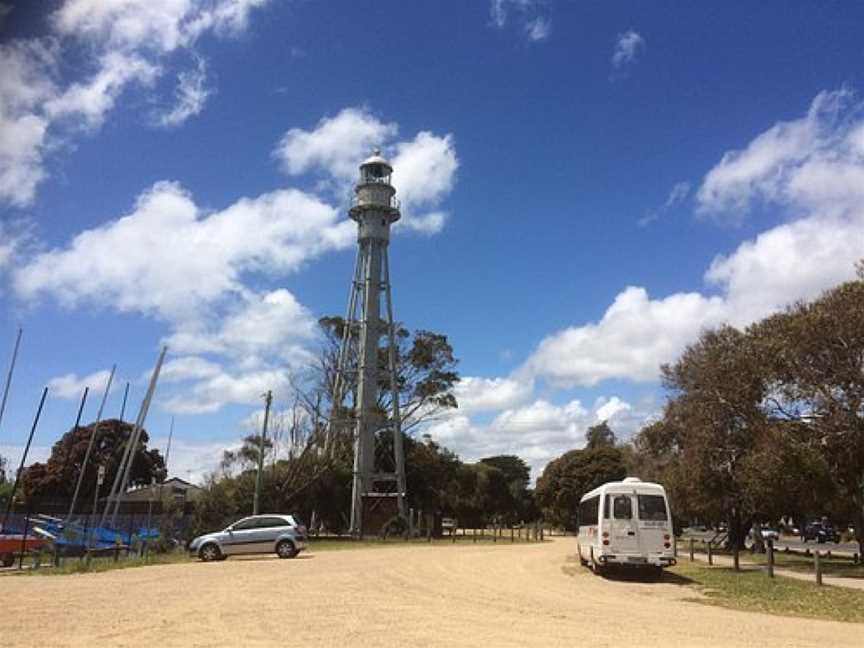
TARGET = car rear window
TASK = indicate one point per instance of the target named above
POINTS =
(652, 507)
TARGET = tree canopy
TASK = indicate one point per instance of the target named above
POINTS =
(600, 436)
(566, 479)
(56, 478)
(768, 421)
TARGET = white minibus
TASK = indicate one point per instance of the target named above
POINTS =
(626, 523)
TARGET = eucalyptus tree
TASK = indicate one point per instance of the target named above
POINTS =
(814, 353)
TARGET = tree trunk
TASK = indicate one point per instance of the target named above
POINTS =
(859, 525)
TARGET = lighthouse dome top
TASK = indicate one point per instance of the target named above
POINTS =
(375, 170)
(376, 159)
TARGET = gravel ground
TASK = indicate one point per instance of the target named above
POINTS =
(402, 596)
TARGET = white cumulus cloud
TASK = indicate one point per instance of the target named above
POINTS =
(127, 264)
(126, 42)
(538, 431)
(190, 96)
(336, 144)
(72, 385)
(531, 14)
(811, 170)
(627, 48)
(424, 168)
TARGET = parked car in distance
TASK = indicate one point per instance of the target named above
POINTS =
(820, 532)
(769, 533)
(257, 534)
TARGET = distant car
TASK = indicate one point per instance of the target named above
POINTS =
(770, 534)
(820, 532)
(448, 525)
(257, 534)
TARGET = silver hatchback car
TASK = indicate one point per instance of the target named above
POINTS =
(257, 534)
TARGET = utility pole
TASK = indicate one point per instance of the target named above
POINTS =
(268, 399)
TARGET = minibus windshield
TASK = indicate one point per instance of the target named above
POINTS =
(652, 507)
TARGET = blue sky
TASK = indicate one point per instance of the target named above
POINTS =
(586, 185)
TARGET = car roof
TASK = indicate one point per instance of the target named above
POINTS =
(284, 516)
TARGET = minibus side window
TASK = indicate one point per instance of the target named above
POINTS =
(622, 507)
(588, 511)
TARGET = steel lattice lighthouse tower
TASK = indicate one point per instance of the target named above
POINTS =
(377, 481)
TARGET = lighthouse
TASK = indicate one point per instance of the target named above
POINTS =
(365, 368)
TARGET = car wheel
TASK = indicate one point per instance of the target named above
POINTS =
(210, 552)
(285, 549)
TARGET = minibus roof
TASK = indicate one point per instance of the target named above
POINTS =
(627, 486)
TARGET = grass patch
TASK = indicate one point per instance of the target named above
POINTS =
(804, 565)
(755, 591)
(69, 565)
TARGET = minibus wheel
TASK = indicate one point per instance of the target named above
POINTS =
(582, 561)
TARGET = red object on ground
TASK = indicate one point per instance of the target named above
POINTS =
(10, 547)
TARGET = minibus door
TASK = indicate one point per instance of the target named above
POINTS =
(625, 534)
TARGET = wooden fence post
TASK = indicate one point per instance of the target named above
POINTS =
(818, 565)
(770, 558)
(474, 535)
(692, 548)
(710, 555)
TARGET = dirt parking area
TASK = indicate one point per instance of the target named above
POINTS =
(516, 595)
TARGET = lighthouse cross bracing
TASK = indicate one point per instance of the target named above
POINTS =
(374, 208)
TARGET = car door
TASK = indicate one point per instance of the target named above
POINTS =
(241, 537)
(269, 529)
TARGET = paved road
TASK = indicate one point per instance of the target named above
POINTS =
(744, 564)
(499, 595)
(793, 542)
